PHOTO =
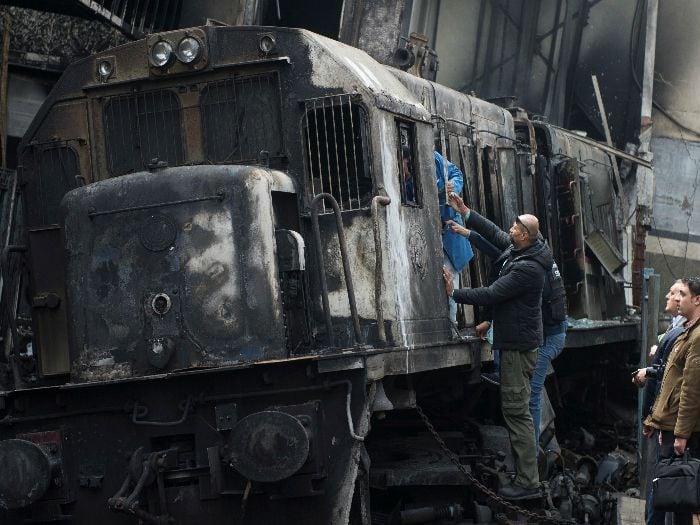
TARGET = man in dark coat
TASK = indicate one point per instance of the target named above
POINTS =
(652, 385)
(516, 297)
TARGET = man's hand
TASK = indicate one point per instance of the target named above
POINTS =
(647, 431)
(679, 445)
(640, 378)
(457, 203)
(458, 228)
(482, 328)
(450, 187)
(447, 277)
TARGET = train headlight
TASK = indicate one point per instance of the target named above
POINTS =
(161, 53)
(267, 43)
(105, 69)
(188, 50)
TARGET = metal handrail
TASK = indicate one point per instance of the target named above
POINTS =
(376, 201)
(346, 265)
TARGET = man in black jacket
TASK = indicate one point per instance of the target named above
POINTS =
(517, 330)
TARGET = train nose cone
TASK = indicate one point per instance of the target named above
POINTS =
(268, 446)
(26, 473)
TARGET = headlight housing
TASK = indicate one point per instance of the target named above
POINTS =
(105, 69)
(161, 53)
(267, 43)
(188, 50)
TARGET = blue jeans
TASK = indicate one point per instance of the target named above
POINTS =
(551, 348)
(455, 283)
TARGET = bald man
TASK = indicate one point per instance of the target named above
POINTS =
(515, 298)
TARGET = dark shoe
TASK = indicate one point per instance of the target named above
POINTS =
(516, 492)
(491, 378)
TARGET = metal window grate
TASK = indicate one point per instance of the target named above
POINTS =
(336, 151)
(57, 168)
(241, 119)
(140, 128)
(137, 17)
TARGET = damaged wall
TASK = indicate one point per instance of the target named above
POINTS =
(673, 246)
(542, 52)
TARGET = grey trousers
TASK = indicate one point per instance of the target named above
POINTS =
(516, 372)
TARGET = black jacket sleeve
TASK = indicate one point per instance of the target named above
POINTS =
(488, 230)
(484, 246)
(512, 284)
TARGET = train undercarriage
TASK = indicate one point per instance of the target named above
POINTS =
(385, 436)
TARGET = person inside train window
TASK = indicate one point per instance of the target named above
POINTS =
(457, 252)
(516, 298)
(408, 180)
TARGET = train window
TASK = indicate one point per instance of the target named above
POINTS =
(142, 127)
(407, 172)
(336, 150)
(241, 119)
(513, 200)
(56, 169)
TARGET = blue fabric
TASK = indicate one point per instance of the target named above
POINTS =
(554, 329)
(550, 349)
(455, 283)
(456, 247)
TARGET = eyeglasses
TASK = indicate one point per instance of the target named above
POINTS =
(521, 223)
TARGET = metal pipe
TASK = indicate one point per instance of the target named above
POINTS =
(346, 265)
(376, 201)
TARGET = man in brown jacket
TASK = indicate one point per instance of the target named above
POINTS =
(676, 411)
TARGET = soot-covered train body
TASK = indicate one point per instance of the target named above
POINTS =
(223, 266)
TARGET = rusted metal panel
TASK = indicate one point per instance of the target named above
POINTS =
(49, 300)
(174, 277)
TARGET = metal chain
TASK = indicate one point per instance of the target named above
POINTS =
(480, 486)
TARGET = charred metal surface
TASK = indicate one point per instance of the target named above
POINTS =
(27, 473)
(269, 446)
(188, 272)
(187, 459)
(210, 335)
(599, 333)
(582, 192)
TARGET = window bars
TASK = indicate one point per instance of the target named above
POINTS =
(141, 127)
(336, 152)
(241, 119)
(57, 168)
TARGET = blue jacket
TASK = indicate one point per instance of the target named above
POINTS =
(456, 247)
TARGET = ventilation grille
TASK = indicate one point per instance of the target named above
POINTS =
(241, 119)
(140, 128)
(336, 150)
(137, 18)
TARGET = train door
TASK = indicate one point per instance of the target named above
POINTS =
(459, 147)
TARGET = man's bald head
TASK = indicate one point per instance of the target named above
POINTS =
(524, 230)
(531, 224)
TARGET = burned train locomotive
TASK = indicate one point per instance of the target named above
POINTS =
(223, 267)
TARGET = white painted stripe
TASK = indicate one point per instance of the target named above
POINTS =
(673, 247)
(358, 71)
